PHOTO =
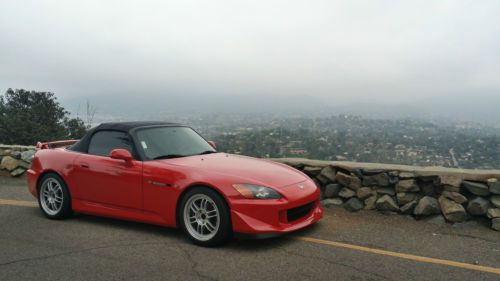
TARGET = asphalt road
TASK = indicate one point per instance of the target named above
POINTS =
(362, 246)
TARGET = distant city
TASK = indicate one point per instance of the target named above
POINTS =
(352, 138)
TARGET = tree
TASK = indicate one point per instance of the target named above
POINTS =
(27, 117)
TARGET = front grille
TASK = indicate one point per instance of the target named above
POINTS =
(299, 212)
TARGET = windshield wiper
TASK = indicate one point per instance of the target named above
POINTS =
(207, 152)
(168, 156)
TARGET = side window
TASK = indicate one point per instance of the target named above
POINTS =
(104, 141)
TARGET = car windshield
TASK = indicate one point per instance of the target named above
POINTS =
(171, 142)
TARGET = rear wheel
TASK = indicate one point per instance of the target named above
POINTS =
(204, 217)
(53, 197)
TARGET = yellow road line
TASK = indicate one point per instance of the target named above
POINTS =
(18, 203)
(401, 255)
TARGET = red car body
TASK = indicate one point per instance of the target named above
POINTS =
(150, 191)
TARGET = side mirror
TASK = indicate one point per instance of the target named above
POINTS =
(212, 144)
(121, 154)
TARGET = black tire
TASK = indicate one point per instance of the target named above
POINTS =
(65, 210)
(224, 231)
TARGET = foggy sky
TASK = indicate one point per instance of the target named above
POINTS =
(336, 51)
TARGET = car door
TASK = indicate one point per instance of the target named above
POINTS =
(101, 179)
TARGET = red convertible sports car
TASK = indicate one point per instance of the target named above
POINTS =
(167, 174)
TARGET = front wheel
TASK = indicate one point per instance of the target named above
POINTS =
(205, 217)
(53, 197)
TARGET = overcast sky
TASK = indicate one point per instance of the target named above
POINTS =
(341, 51)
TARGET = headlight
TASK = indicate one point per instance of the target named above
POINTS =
(251, 191)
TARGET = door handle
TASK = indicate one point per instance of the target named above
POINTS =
(84, 165)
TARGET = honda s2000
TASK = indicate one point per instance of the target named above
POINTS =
(167, 174)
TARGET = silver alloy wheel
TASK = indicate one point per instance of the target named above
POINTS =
(51, 196)
(201, 217)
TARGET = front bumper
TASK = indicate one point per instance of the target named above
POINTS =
(273, 217)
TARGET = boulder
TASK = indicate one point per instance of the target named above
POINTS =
(439, 220)
(495, 200)
(451, 180)
(455, 196)
(407, 186)
(386, 203)
(24, 165)
(320, 178)
(16, 155)
(451, 210)
(476, 188)
(17, 172)
(350, 181)
(346, 193)
(495, 224)
(9, 163)
(370, 202)
(494, 186)
(478, 206)
(386, 191)
(331, 190)
(405, 197)
(406, 175)
(427, 206)
(381, 179)
(328, 203)
(329, 173)
(408, 208)
(364, 192)
(311, 171)
(493, 213)
(353, 205)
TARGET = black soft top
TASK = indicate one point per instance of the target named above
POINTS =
(83, 144)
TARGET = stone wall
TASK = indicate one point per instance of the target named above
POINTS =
(454, 195)
(15, 159)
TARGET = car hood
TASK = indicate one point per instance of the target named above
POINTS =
(245, 169)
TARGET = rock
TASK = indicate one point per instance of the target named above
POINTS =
(478, 206)
(346, 193)
(329, 173)
(407, 186)
(451, 210)
(381, 179)
(495, 224)
(350, 181)
(353, 205)
(494, 186)
(439, 220)
(477, 188)
(364, 192)
(9, 163)
(310, 171)
(451, 180)
(451, 188)
(16, 155)
(393, 173)
(331, 190)
(427, 206)
(495, 200)
(386, 191)
(406, 175)
(370, 202)
(322, 179)
(430, 188)
(405, 198)
(24, 165)
(455, 196)
(331, 202)
(17, 172)
(408, 208)
(386, 203)
(493, 213)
